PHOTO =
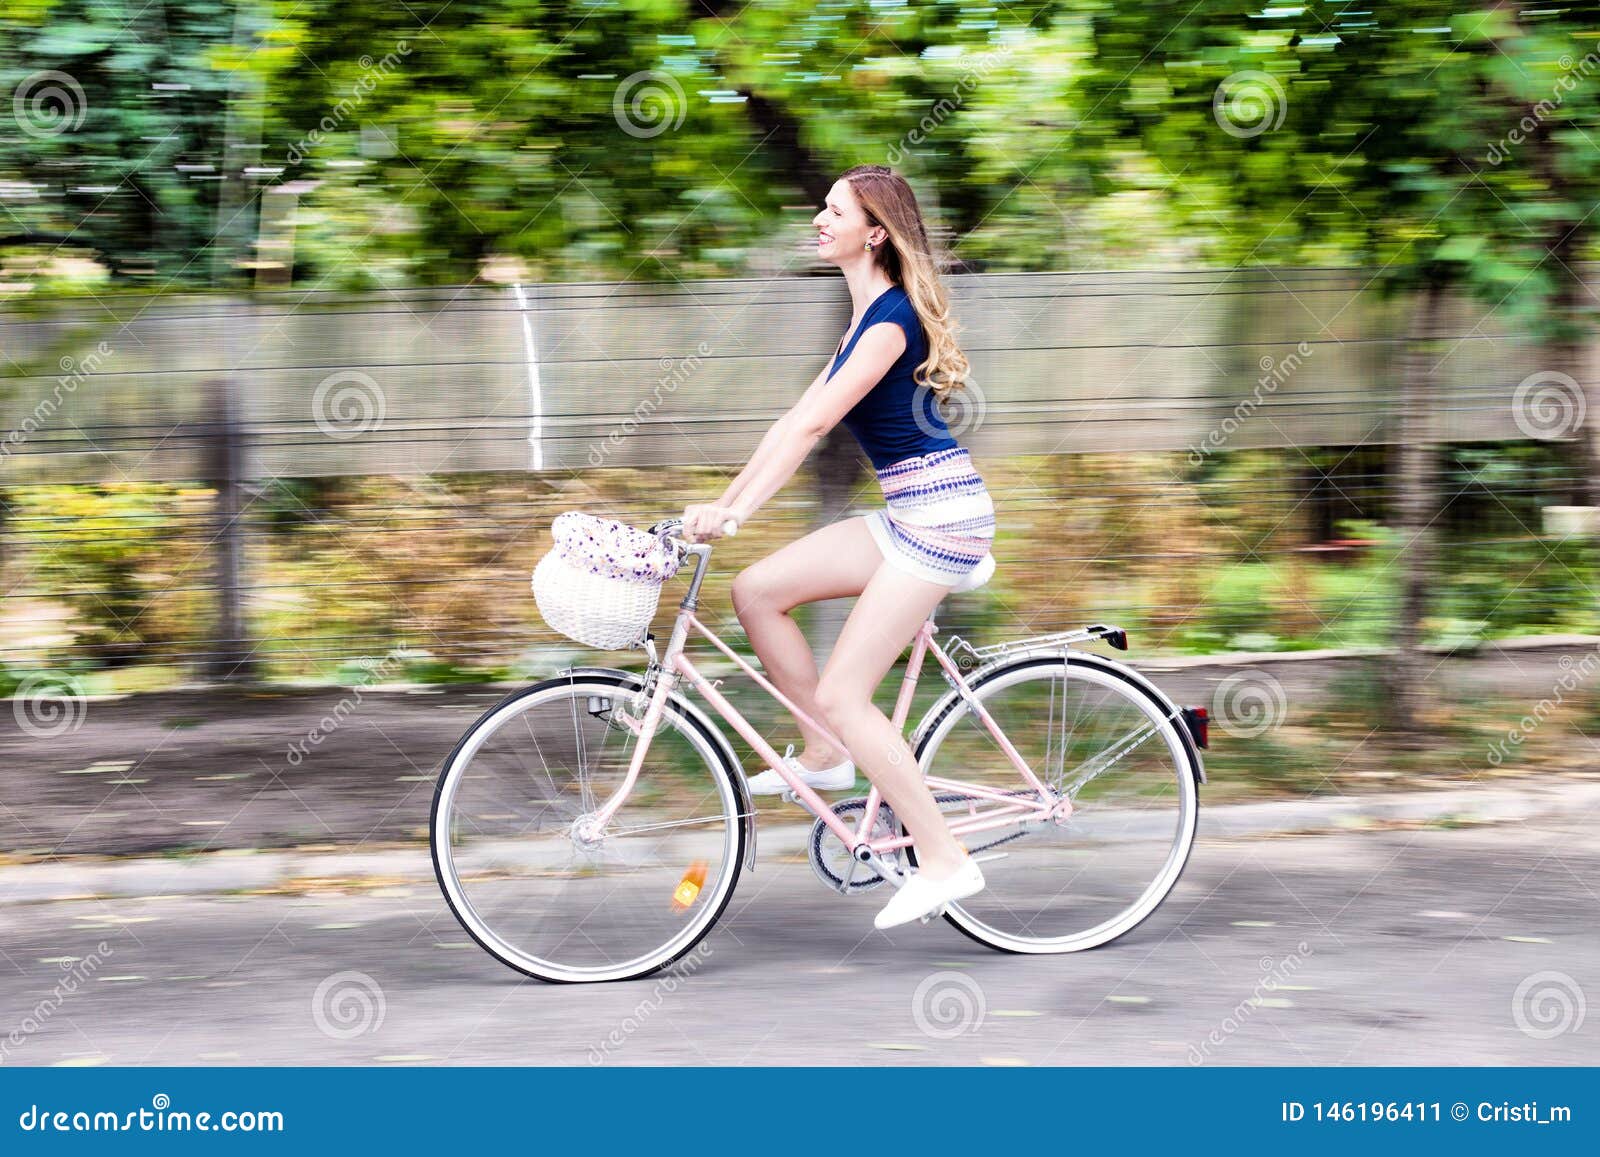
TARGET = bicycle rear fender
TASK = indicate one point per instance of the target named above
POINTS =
(1087, 658)
(747, 809)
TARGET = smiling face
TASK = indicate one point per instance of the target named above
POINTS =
(842, 227)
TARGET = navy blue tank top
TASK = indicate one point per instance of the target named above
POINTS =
(897, 418)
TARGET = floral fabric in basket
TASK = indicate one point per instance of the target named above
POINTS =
(612, 549)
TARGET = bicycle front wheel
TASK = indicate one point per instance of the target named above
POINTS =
(525, 872)
(1092, 733)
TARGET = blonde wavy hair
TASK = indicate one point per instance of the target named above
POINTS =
(909, 262)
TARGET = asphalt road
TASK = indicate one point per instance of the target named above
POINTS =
(1464, 946)
(209, 768)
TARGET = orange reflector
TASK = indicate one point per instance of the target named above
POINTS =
(689, 887)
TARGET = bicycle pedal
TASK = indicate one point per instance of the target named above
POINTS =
(930, 917)
(789, 796)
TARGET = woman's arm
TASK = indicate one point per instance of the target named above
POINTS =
(817, 412)
(768, 441)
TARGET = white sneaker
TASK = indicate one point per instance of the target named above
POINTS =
(837, 778)
(919, 896)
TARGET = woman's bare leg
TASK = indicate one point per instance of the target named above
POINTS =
(885, 619)
(833, 562)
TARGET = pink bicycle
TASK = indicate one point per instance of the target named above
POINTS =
(593, 825)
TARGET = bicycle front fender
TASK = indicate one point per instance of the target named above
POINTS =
(747, 810)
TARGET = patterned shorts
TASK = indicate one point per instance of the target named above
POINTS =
(939, 520)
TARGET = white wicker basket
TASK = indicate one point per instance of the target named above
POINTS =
(601, 582)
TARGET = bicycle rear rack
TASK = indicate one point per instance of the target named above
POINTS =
(1115, 636)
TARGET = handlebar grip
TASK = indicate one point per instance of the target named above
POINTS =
(730, 528)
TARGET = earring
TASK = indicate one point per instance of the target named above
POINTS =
(869, 247)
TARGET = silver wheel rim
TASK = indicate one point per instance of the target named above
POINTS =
(708, 903)
(1183, 826)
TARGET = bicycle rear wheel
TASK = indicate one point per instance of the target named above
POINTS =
(537, 889)
(1091, 732)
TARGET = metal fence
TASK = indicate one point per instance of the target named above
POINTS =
(567, 377)
(556, 382)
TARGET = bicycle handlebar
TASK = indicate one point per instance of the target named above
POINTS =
(673, 525)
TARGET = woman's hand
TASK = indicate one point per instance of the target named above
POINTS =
(703, 522)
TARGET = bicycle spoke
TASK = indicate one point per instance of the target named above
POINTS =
(1068, 882)
(545, 893)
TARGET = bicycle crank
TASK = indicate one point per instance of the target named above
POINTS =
(832, 861)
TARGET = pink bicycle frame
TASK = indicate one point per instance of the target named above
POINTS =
(676, 663)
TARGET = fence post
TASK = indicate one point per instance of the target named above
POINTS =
(231, 655)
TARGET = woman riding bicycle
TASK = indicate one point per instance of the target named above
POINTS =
(898, 359)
